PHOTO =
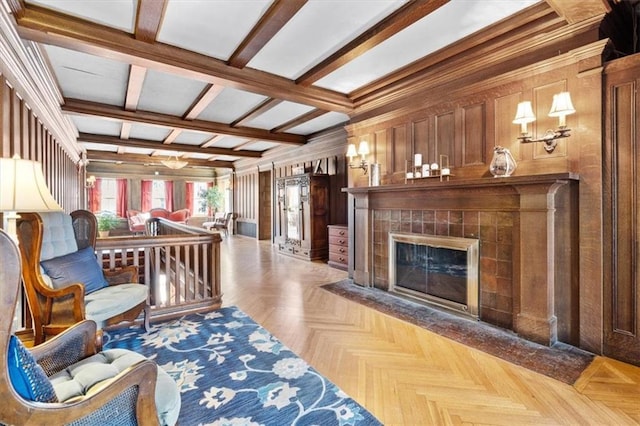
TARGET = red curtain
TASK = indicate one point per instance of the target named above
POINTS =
(189, 196)
(147, 193)
(168, 195)
(121, 197)
(94, 196)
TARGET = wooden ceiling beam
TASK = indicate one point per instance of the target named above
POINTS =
(45, 26)
(146, 144)
(148, 19)
(134, 87)
(147, 159)
(280, 12)
(211, 141)
(95, 109)
(257, 111)
(206, 97)
(299, 120)
(399, 20)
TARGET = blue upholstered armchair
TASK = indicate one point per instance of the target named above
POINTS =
(64, 281)
(68, 379)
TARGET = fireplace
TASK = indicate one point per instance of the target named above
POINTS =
(438, 270)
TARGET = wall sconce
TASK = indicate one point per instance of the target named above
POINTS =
(363, 151)
(91, 182)
(561, 107)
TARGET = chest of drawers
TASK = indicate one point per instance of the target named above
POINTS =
(339, 246)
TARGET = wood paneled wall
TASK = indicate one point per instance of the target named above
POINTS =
(24, 134)
(622, 207)
(466, 123)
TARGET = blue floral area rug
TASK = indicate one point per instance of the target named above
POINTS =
(231, 371)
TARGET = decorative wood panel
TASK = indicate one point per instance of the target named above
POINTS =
(445, 136)
(421, 140)
(473, 142)
(380, 152)
(622, 207)
(399, 149)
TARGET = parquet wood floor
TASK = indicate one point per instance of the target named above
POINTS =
(404, 374)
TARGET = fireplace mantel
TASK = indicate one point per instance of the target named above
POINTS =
(527, 227)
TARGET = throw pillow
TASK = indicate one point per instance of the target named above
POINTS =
(79, 267)
(27, 377)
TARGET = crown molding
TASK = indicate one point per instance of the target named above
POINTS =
(26, 70)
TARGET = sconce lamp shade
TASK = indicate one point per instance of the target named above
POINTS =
(351, 151)
(561, 107)
(524, 113)
(363, 148)
(23, 188)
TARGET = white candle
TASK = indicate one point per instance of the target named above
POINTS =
(445, 172)
(417, 161)
(434, 166)
(409, 175)
(418, 174)
(425, 170)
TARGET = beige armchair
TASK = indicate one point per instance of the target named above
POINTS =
(64, 282)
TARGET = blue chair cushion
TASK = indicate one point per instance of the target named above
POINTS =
(78, 267)
(88, 376)
(27, 377)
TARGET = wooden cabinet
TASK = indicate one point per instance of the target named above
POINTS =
(303, 211)
(339, 246)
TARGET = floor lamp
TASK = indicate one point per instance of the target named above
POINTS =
(22, 189)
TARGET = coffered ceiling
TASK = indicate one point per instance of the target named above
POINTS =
(215, 81)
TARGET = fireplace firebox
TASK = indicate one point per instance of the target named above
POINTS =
(435, 269)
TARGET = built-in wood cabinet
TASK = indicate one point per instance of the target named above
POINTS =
(339, 246)
(303, 212)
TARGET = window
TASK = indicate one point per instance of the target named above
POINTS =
(199, 203)
(157, 194)
(108, 194)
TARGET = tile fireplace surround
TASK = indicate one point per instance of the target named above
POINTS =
(527, 228)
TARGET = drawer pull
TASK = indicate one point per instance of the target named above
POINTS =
(341, 241)
(342, 250)
(341, 233)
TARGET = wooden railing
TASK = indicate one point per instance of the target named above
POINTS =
(179, 264)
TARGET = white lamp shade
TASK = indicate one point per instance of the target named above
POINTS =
(23, 188)
(524, 113)
(363, 148)
(351, 151)
(561, 105)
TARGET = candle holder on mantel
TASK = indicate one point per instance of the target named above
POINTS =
(415, 170)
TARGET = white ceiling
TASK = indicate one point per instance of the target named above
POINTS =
(216, 28)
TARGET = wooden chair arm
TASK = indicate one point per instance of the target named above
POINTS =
(73, 294)
(75, 343)
(141, 376)
(126, 274)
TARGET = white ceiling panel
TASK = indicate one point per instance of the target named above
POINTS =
(325, 121)
(192, 138)
(260, 146)
(199, 156)
(448, 24)
(213, 28)
(281, 113)
(227, 158)
(151, 133)
(89, 77)
(112, 13)
(229, 142)
(134, 150)
(99, 147)
(168, 93)
(98, 126)
(230, 105)
(320, 28)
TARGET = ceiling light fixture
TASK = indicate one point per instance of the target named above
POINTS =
(174, 163)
